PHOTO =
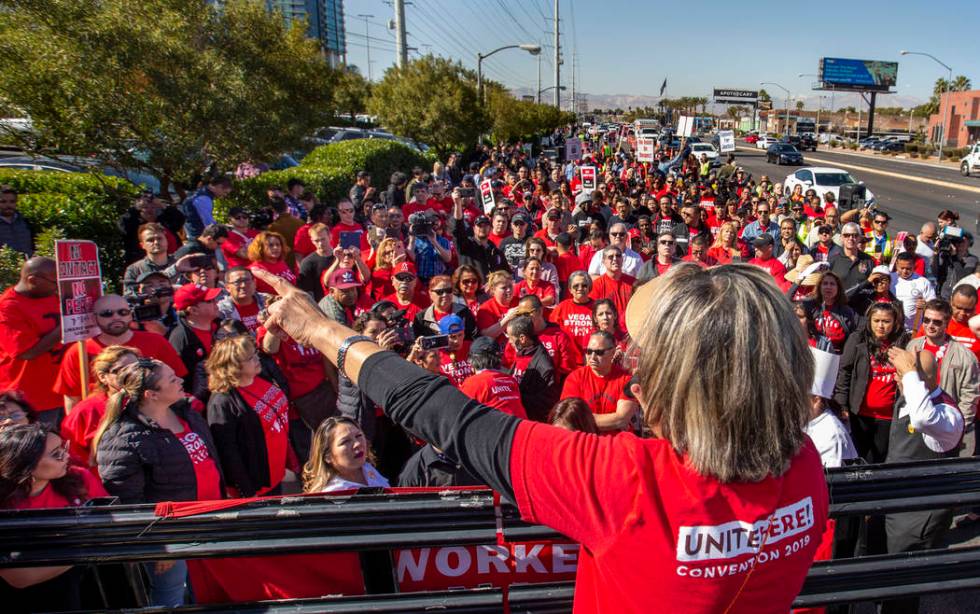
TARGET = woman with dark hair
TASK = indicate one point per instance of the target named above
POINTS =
(573, 414)
(340, 459)
(468, 287)
(34, 474)
(151, 446)
(833, 320)
(14, 409)
(866, 383)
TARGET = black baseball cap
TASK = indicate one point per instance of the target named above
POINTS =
(763, 240)
(482, 220)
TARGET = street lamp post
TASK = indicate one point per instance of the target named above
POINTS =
(561, 88)
(530, 48)
(949, 83)
(786, 127)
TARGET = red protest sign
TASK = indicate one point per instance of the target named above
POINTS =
(79, 285)
(486, 194)
(588, 178)
(451, 567)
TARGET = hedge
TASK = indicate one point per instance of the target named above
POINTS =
(79, 205)
(329, 172)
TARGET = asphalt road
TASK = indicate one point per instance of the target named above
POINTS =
(910, 193)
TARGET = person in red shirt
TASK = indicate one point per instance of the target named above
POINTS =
(192, 336)
(454, 360)
(268, 252)
(496, 311)
(661, 507)
(35, 473)
(30, 337)
(552, 228)
(964, 304)
(78, 428)
(613, 284)
(698, 252)
(763, 245)
(567, 261)
(564, 354)
(574, 314)
(489, 385)
(499, 226)
(235, 246)
(532, 284)
(242, 303)
(406, 295)
(602, 384)
(114, 318)
(347, 223)
(249, 418)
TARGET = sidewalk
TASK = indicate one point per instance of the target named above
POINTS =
(945, 164)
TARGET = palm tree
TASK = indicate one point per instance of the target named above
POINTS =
(799, 105)
(960, 84)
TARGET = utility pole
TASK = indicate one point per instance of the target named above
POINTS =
(401, 44)
(573, 81)
(539, 79)
(367, 40)
(557, 60)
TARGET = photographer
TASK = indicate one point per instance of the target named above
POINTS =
(952, 261)
(153, 303)
(430, 253)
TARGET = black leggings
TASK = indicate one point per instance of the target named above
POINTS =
(870, 437)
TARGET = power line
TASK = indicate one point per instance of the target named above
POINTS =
(515, 20)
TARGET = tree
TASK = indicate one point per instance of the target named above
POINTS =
(166, 86)
(350, 92)
(432, 100)
(960, 84)
(514, 119)
(764, 96)
(799, 105)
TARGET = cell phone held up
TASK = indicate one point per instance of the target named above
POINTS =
(434, 342)
(350, 240)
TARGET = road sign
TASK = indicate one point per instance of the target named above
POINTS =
(726, 140)
(79, 285)
(644, 148)
(588, 178)
(573, 149)
(486, 195)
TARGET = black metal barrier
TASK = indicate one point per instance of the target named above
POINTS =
(381, 522)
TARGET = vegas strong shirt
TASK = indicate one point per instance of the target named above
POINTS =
(269, 402)
(655, 534)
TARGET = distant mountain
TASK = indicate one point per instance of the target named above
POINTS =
(811, 100)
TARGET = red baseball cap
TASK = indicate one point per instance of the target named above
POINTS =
(342, 279)
(189, 295)
(402, 268)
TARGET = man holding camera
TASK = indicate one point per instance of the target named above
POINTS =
(431, 253)
(953, 260)
(152, 304)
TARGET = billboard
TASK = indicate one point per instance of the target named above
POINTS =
(736, 96)
(869, 75)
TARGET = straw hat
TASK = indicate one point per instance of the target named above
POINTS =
(802, 263)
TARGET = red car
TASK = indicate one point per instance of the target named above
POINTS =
(751, 139)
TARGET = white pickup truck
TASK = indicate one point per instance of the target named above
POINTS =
(971, 163)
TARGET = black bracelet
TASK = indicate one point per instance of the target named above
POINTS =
(342, 352)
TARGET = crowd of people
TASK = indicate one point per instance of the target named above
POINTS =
(519, 301)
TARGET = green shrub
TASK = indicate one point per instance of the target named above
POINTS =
(329, 184)
(852, 146)
(911, 148)
(377, 156)
(79, 205)
(10, 263)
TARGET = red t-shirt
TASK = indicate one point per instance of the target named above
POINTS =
(455, 365)
(302, 243)
(205, 469)
(600, 393)
(495, 389)
(279, 269)
(574, 320)
(23, 321)
(418, 303)
(79, 426)
(772, 266)
(543, 290)
(205, 337)
(566, 264)
(49, 498)
(341, 227)
(381, 283)
(562, 351)
(268, 401)
(302, 366)
(235, 242)
(963, 334)
(490, 313)
(496, 239)
(879, 397)
(618, 290)
(939, 351)
(640, 512)
(150, 345)
(544, 236)
(249, 315)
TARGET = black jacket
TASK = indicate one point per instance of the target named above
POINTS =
(855, 369)
(683, 238)
(240, 440)
(192, 353)
(649, 271)
(485, 258)
(428, 468)
(539, 387)
(144, 463)
(425, 322)
(852, 273)
(356, 405)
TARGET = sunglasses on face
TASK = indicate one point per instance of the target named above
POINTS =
(932, 322)
(61, 452)
(618, 234)
(848, 235)
(108, 313)
(665, 242)
(596, 352)
(441, 291)
(468, 282)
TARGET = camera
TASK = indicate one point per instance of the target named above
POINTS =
(419, 224)
(146, 305)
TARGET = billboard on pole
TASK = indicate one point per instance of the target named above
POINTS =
(864, 75)
(736, 96)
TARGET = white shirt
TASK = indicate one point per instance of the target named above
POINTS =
(909, 290)
(632, 262)
(831, 439)
(374, 479)
(941, 425)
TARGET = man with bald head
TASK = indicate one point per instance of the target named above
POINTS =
(618, 237)
(30, 337)
(114, 319)
(926, 425)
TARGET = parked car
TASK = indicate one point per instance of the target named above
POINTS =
(896, 146)
(77, 164)
(807, 143)
(783, 153)
(823, 179)
(751, 138)
(765, 142)
(867, 142)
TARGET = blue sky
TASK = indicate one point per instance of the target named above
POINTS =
(629, 47)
